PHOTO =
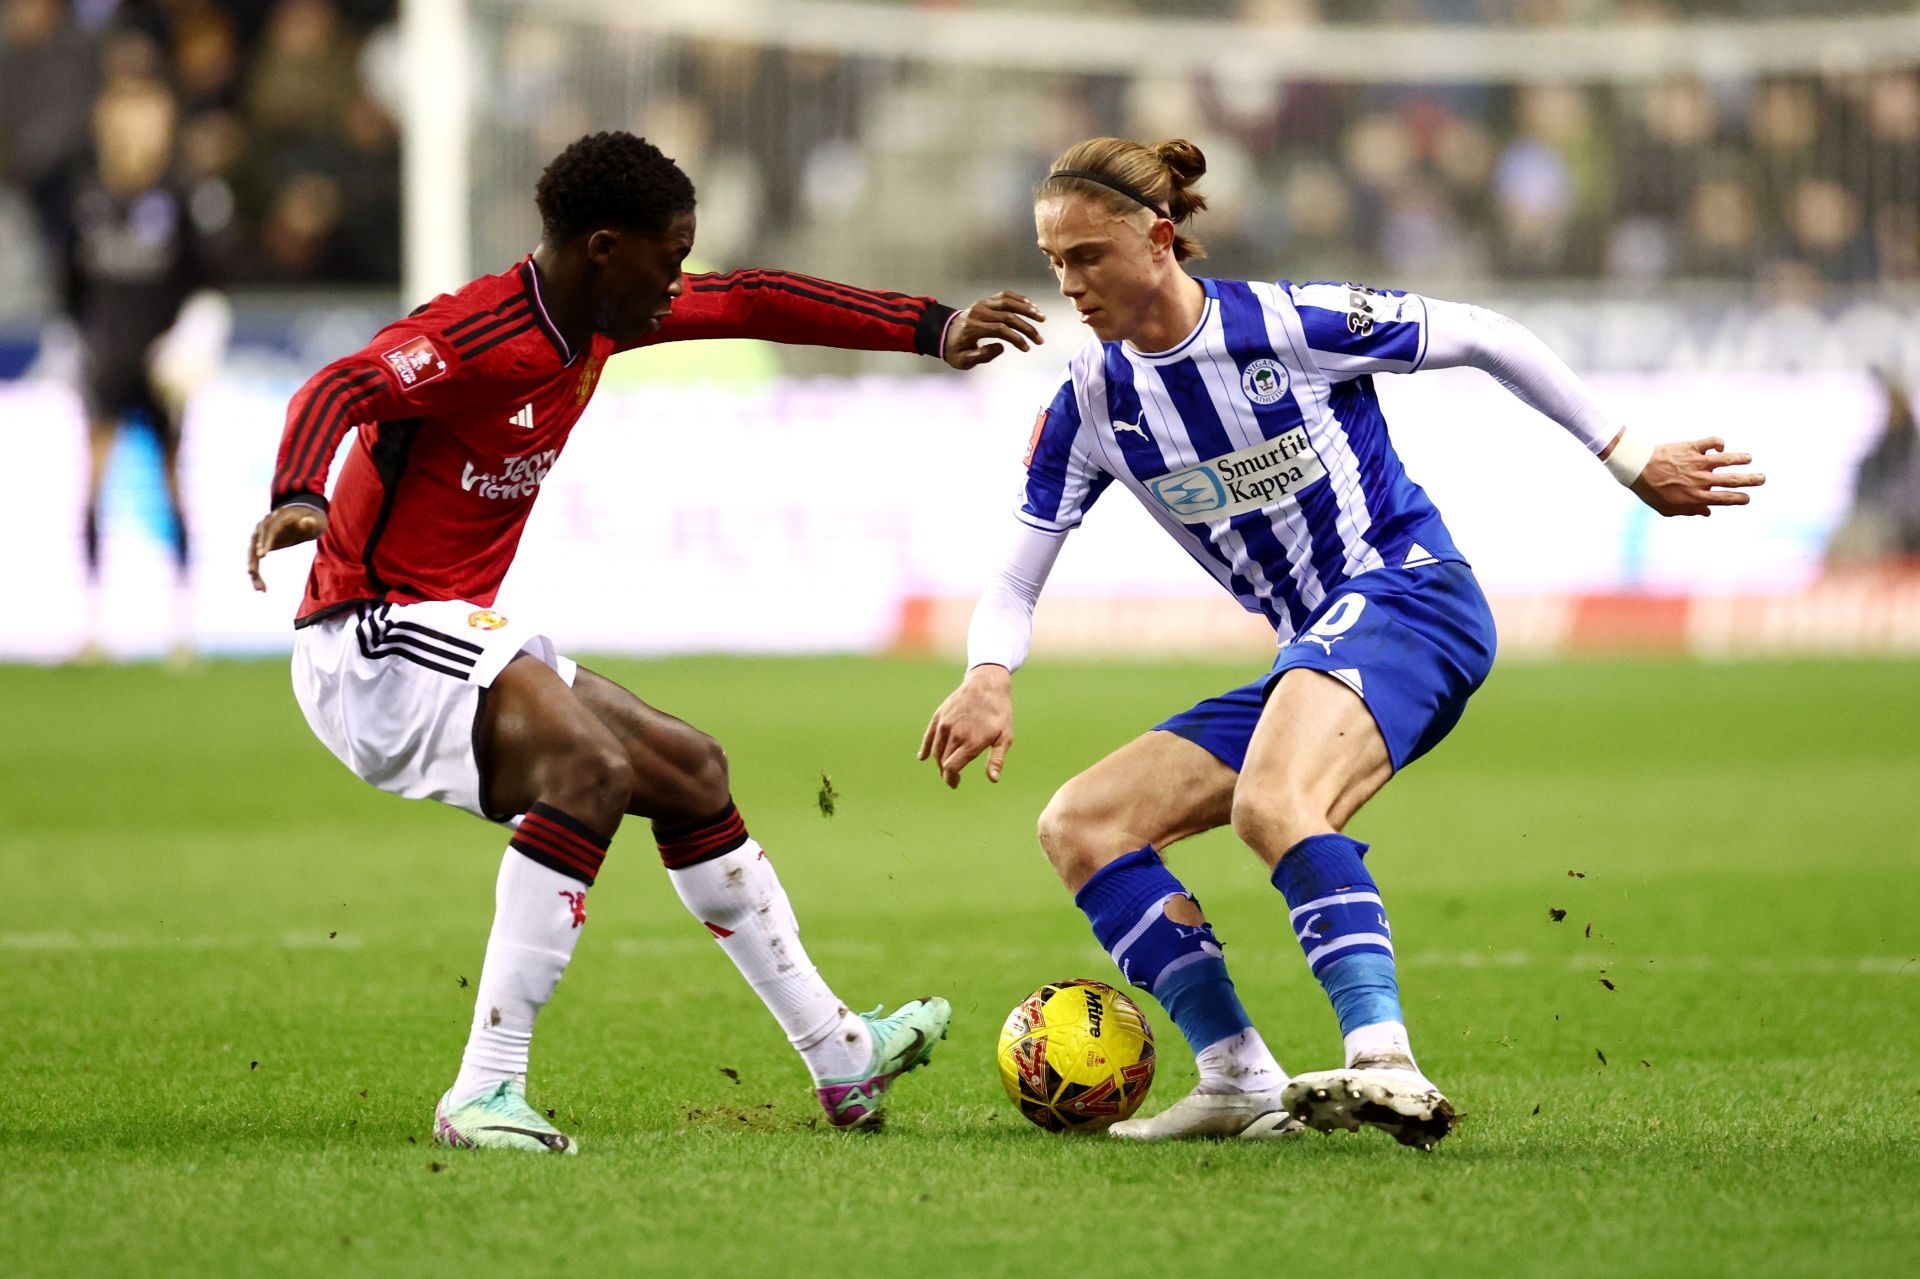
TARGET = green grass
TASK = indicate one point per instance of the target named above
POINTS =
(233, 989)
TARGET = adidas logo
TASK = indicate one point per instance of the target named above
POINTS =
(524, 418)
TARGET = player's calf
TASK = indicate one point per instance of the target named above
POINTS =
(726, 881)
(1155, 931)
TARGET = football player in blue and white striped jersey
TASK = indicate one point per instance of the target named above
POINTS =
(1243, 416)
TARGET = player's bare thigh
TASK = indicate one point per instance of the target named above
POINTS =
(679, 773)
(1315, 758)
(537, 741)
(1158, 789)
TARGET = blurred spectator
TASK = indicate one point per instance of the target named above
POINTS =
(304, 76)
(49, 71)
(142, 289)
(1825, 231)
(1885, 521)
(1723, 230)
(1790, 183)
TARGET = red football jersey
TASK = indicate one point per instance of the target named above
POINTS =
(463, 407)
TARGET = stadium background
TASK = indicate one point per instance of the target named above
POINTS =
(1655, 915)
(1712, 210)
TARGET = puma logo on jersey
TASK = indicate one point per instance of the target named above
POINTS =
(518, 477)
(1138, 428)
(524, 418)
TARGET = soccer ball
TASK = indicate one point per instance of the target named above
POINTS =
(1076, 1056)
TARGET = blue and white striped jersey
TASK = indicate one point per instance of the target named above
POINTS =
(1258, 442)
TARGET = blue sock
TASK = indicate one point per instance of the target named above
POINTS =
(1178, 964)
(1337, 914)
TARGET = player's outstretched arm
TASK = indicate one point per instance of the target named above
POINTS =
(976, 717)
(1684, 478)
(1680, 478)
(801, 310)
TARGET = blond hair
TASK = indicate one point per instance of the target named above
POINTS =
(1159, 177)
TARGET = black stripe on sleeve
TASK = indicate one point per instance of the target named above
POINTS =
(314, 431)
(452, 329)
(299, 455)
(496, 340)
(464, 343)
(908, 308)
(784, 286)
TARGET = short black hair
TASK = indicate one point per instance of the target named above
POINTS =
(610, 180)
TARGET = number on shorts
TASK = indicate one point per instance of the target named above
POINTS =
(1339, 619)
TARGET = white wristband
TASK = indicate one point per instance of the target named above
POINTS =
(1630, 456)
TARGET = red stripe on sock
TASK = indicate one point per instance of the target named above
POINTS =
(533, 837)
(723, 834)
(558, 834)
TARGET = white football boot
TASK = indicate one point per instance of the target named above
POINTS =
(1220, 1116)
(1388, 1093)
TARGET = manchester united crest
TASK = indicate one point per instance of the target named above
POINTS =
(485, 619)
(588, 377)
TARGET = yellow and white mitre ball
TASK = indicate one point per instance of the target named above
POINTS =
(1076, 1056)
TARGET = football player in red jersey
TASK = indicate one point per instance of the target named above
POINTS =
(409, 676)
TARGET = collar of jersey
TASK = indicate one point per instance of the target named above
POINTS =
(1179, 348)
(530, 282)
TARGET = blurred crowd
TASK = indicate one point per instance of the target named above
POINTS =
(1791, 187)
(1788, 187)
(281, 129)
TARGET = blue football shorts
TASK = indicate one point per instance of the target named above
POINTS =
(1414, 643)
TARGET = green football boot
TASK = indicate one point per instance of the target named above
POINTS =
(901, 1042)
(499, 1120)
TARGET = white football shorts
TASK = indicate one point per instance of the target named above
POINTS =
(395, 691)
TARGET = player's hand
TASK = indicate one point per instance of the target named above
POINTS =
(977, 716)
(289, 525)
(1687, 478)
(1003, 318)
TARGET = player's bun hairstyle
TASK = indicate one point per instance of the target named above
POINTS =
(1160, 177)
(610, 180)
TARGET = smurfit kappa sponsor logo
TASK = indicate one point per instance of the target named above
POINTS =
(1244, 480)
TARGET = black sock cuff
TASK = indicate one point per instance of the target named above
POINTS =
(687, 844)
(561, 843)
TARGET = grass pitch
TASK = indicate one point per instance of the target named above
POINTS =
(236, 981)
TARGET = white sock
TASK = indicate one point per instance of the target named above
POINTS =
(537, 915)
(1239, 1063)
(739, 898)
(1382, 1039)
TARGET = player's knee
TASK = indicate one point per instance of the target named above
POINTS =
(707, 783)
(1272, 819)
(598, 777)
(1077, 836)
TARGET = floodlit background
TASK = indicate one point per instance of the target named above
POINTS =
(1711, 209)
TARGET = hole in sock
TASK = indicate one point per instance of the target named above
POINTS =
(1185, 911)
